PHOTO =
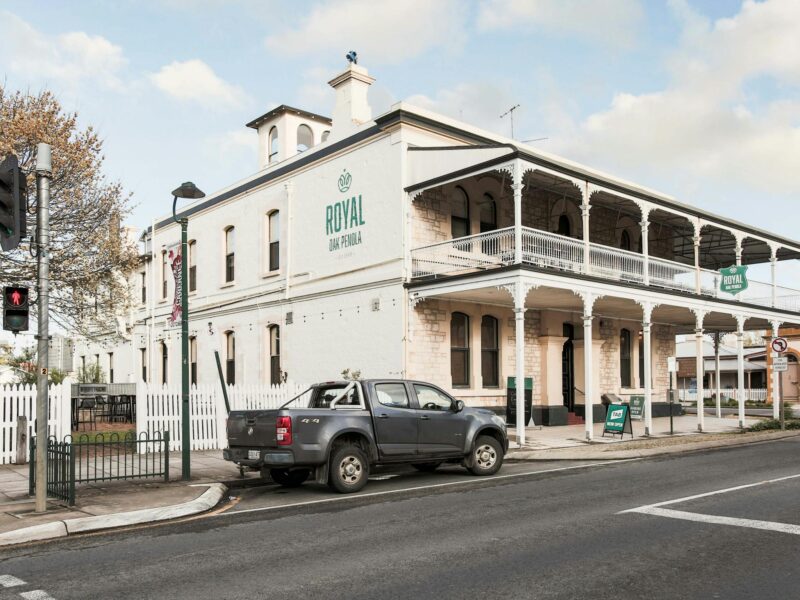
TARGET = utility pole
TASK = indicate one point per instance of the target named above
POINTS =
(43, 174)
(510, 113)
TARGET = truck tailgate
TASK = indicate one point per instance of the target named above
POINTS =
(252, 428)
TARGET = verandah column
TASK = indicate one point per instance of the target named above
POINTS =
(776, 414)
(740, 365)
(717, 375)
(696, 240)
(645, 224)
(647, 310)
(517, 188)
(588, 363)
(585, 207)
(519, 292)
(773, 264)
(700, 365)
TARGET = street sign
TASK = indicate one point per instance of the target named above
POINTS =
(618, 420)
(672, 364)
(780, 344)
(637, 407)
(780, 364)
(733, 279)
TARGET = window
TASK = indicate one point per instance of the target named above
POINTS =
(490, 371)
(432, 399)
(143, 358)
(272, 152)
(83, 363)
(564, 227)
(392, 394)
(164, 364)
(641, 359)
(274, 354)
(488, 213)
(274, 240)
(193, 360)
(143, 280)
(164, 271)
(459, 349)
(110, 367)
(230, 358)
(229, 254)
(459, 221)
(625, 357)
(305, 138)
(625, 240)
(193, 266)
(325, 135)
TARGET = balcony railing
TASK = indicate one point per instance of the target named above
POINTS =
(560, 253)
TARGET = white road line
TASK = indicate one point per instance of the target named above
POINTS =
(421, 487)
(714, 493)
(8, 581)
(718, 520)
(37, 595)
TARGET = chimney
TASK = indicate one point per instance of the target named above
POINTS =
(352, 108)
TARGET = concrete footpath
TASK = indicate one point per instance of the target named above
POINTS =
(126, 503)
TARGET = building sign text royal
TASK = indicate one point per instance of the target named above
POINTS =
(344, 218)
(733, 279)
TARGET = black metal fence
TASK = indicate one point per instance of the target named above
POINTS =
(88, 459)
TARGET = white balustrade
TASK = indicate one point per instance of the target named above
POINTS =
(492, 248)
(616, 264)
(551, 250)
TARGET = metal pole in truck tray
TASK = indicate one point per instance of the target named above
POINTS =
(222, 383)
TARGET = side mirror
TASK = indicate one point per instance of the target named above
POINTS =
(458, 406)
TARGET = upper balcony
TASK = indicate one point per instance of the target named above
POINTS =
(483, 207)
(567, 255)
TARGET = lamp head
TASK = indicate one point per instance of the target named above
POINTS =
(189, 191)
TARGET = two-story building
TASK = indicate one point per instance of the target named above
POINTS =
(413, 245)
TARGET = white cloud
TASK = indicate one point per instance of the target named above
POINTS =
(69, 58)
(194, 81)
(703, 124)
(382, 32)
(614, 22)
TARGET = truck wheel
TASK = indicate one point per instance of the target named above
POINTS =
(288, 478)
(427, 467)
(349, 469)
(487, 456)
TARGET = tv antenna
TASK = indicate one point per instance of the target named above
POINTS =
(510, 113)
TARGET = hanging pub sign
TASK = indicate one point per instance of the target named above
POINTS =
(733, 279)
(618, 420)
(175, 263)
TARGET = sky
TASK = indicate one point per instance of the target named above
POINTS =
(696, 99)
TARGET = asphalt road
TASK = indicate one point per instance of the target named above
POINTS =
(552, 534)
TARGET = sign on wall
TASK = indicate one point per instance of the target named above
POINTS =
(344, 219)
(733, 279)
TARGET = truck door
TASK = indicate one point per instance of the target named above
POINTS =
(441, 431)
(396, 427)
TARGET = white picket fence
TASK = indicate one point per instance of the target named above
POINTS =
(20, 400)
(752, 394)
(158, 409)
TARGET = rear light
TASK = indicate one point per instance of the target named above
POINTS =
(283, 431)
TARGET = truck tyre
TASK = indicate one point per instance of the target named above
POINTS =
(288, 478)
(486, 457)
(426, 467)
(349, 469)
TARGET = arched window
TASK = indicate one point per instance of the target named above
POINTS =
(164, 272)
(274, 354)
(459, 221)
(273, 145)
(274, 240)
(488, 213)
(641, 359)
(625, 357)
(192, 249)
(564, 226)
(305, 138)
(490, 364)
(164, 364)
(193, 360)
(459, 349)
(229, 254)
(625, 240)
(230, 358)
(325, 135)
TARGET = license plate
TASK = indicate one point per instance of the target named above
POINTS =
(253, 454)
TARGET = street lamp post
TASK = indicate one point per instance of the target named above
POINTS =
(190, 191)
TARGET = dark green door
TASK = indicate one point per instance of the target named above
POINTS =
(568, 368)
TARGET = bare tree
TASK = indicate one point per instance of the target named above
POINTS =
(90, 257)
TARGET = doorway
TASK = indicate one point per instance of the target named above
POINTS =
(568, 368)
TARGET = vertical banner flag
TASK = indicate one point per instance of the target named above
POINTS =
(176, 264)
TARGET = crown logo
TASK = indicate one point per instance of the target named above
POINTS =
(345, 179)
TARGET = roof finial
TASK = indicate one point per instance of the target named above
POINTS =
(352, 57)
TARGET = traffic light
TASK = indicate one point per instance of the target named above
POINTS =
(15, 308)
(13, 203)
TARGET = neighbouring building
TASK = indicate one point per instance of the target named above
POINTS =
(755, 371)
(409, 244)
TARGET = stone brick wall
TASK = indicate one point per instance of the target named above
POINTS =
(532, 351)
(429, 347)
(609, 356)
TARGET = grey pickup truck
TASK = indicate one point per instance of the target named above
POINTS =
(337, 431)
